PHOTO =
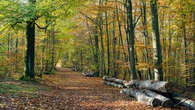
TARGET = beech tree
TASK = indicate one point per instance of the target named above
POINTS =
(156, 41)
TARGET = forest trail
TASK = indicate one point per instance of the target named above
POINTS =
(83, 93)
(68, 90)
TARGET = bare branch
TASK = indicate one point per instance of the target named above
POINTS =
(91, 19)
(136, 21)
(45, 27)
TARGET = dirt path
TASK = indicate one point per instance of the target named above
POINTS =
(67, 90)
(84, 93)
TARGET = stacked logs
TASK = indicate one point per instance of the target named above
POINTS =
(149, 92)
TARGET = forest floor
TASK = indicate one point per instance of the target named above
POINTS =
(66, 90)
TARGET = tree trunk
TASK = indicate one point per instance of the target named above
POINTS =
(113, 84)
(165, 102)
(156, 42)
(141, 97)
(189, 104)
(16, 55)
(131, 39)
(145, 34)
(101, 40)
(114, 80)
(30, 52)
(160, 86)
(170, 44)
(53, 48)
(114, 41)
(108, 40)
(183, 22)
(96, 52)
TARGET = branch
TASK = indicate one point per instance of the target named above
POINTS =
(91, 19)
(45, 27)
(136, 21)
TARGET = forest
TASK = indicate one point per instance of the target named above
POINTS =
(97, 54)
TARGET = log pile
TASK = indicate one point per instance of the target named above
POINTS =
(152, 93)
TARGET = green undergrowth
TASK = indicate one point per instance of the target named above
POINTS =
(16, 87)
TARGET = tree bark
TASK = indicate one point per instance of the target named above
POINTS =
(102, 42)
(131, 39)
(189, 104)
(16, 55)
(160, 86)
(114, 41)
(30, 52)
(165, 102)
(53, 47)
(96, 56)
(114, 80)
(145, 34)
(156, 42)
(113, 84)
(107, 40)
(141, 97)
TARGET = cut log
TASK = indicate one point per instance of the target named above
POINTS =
(110, 79)
(113, 84)
(165, 102)
(74, 69)
(141, 97)
(161, 86)
(86, 74)
(189, 104)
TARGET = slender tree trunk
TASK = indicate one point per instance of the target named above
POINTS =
(48, 33)
(120, 39)
(185, 48)
(81, 58)
(90, 41)
(107, 40)
(96, 52)
(114, 41)
(193, 36)
(16, 55)
(53, 47)
(145, 34)
(8, 54)
(156, 42)
(127, 41)
(170, 45)
(131, 39)
(102, 40)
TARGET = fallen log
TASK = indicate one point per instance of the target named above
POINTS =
(113, 84)
(141, 97)
(110, 79)
(75, 69)
(88, 74)
(161, 86)
(189, 104)
(165, 102)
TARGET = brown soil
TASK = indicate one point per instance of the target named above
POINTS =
(67, 90)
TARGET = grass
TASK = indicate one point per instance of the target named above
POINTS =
(16, 88)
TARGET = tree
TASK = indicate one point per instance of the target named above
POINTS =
(130, 28)
(30, 52)
(156, 42)
(29, 12)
